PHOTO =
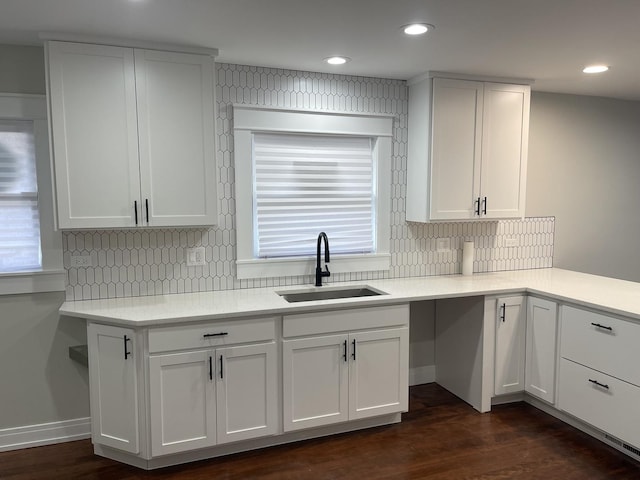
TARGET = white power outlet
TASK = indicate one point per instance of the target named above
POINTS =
(511, 242)
(195, 256)
(443, 244)
(81, 261)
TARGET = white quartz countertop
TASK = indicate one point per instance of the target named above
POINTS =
(607, 294)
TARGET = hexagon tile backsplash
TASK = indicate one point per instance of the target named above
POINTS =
(152, 262)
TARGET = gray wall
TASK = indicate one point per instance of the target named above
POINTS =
(21, 69)
(38, 381)
(584, 168)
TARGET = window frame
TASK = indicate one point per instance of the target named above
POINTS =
(51, 277)
(248, 119)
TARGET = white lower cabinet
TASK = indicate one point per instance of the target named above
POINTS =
(540, 364)
(246, 392)
(113, 383)
(355, 374)
(600, 400)
(509, 371)
(599, 381)
(168, 394)
(315, 381)
(209, 397)
(378, 372)
(182, 404)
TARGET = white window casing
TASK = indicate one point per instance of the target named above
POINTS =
(356, 134)
(28, 240)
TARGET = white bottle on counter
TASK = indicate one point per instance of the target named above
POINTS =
(467, 258)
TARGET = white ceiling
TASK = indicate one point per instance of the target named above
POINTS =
(546, 40)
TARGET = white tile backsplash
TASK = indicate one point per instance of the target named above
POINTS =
(152, 262)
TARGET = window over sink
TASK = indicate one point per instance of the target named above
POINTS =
(302, 172)
(30, 248)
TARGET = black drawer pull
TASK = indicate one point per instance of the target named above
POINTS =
(126, 351)
(221, 334)
(595, 382)
(602, 326)
(344, 355)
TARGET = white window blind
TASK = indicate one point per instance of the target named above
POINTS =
(306, 184)
(19, 218)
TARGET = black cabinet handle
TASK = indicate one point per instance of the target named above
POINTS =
(210, 368)
(595, 382)
(604, 327)
(146, 207)
(221, 368)
(484, 206)
(221, 334)
(344, 354)
(135, 210)
(477, 209)
(126, 352)
(503, 311)
(354, 349)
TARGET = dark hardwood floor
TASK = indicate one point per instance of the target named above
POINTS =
(440, 438)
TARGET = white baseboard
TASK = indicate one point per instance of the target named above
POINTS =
(44, 434)
(420, 375)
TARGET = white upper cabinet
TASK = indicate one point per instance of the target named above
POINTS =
(133, 136)
(467, 150)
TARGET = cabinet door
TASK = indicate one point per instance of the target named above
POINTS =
(176, 126)
(113, 387)
(510, 345)
(540, 372)
(246, 392)
(315, 381)
(455, 148)
(94, 131)
(182, 401)
(378, 372)
(505, 130)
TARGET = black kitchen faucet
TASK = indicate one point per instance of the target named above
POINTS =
(319, 272)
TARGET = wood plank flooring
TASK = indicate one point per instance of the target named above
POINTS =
(440, 438)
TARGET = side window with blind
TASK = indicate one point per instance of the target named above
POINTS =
(30, 247)
(19, 217)
(305, 184)
(302, 172)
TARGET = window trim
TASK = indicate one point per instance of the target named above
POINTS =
(52, 276)
(250, 118)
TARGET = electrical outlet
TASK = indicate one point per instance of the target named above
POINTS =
(81, 261)
(195, 256)
(511, 242)
(443, 244)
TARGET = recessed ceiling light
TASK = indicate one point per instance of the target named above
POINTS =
(337, 60)
(417, 28)
(595, 69)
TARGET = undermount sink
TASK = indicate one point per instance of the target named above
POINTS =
(330, 294)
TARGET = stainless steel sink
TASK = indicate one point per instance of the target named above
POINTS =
(329, 294)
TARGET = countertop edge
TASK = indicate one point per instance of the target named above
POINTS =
(555, 284)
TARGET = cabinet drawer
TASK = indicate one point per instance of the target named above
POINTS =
(211, 334)
(612, 407)
(345, 320)
(601, 342)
